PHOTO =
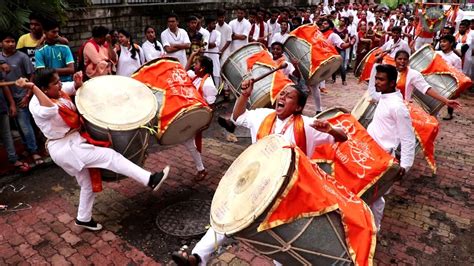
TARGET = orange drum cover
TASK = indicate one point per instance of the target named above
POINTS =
(369, 61)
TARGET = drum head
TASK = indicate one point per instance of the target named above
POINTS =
(325, 70)
(250, 185)
(116, 102)
(422, 58)
(186, 126)
(331, 112)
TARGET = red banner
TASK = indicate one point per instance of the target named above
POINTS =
(311, 192)
(358, 162)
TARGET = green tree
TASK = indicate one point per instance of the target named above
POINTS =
(14, 13)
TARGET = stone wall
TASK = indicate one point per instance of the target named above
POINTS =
(134, 18)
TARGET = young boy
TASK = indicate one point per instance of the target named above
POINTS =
(53, 111)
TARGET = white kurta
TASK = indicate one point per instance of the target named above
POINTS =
(168, 38)
(392, 126)
(452, 59)
(467, 60)
(256, 32)
(208, 89)
(274, 27)
(239, 27)
(151, 52)
(126, 64)
(278, 37)
(215, 37)
(205, 37)
(395, 47)
(252, 119)
(226, 36)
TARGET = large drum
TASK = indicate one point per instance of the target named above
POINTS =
(182, 110)
(386, 180)
(445, 79)
(318, 59)
(364, 69)
(364, 110)
(249, 190)
(118, 109)
(234, 71)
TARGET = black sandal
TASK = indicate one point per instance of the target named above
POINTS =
(181, 258)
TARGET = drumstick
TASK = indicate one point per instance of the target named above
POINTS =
(7, 83)
(284, 65)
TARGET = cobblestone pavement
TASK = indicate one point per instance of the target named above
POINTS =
(428, 218)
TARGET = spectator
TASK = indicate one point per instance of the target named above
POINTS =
(214, 43)
(226, 35)
(28, 42)
(53, 54)
(196, 38)
(273, 23)
(152, 48)
(175, 40)
(283, 34)
(98, 55)
(130, 55)
(240, 30)
(20, 66)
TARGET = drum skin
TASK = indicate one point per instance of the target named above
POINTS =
(299, 49)
(248, 191)
(114, 108)
(234, 71)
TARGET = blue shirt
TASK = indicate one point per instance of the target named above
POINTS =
(54, 56)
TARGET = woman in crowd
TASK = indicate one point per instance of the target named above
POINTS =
(130, 55)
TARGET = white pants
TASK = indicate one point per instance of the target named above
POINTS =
(317, 95)
(422, 41)
(191, 147)
(104, 158)
(217, 81)
(377, 208)
(208, 244)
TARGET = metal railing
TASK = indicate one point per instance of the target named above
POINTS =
(120, 2)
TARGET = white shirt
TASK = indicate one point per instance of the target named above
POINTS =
(151, 52)
(168, 38)
(226, 36)
(209, 90)
(239, 27)
(215, 37)
(414, 80)
(48, 119)
(452, 59)
(395, 47)
(274, 27)
(256, 32)
(126, 64)
(335, 40)
(252, 119)
(392, 126)
(278, 37)
(205, 36)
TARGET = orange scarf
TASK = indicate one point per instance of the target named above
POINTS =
(268, 127)
(198, 137)
(402, 82)
(73, 120)
(327, 33)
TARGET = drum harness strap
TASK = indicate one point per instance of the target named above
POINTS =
(287, 247)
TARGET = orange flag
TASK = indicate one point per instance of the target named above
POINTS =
(320, 50)
(439, 66)
(357, 163)
(311, 192)
(426, 129)
(179, 93)
(279, 82)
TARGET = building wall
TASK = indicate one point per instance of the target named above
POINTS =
(134, 18)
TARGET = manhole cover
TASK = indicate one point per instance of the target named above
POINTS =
(185, 219)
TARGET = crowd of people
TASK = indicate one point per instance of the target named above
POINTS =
(43, 57)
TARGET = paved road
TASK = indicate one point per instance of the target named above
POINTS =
(428, 218)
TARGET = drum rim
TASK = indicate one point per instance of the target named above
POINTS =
(116, 127)
(234, 227)
(363, 61)
(419, 51)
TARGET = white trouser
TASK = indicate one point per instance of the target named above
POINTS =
(317, 95)
(217, 81)
(377, 208)
(105, 158)
(191, 147)
(209, 243)
(422, 41)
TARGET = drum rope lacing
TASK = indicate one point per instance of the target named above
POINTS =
(287, 247)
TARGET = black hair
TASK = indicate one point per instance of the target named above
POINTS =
(37, 17)
(465, 22)
(172, 15)
(133, 50)
(397, 29)
(148, 27)
(390, 70)
(449, 38)
(5, 35)
(277, 44)
(240, 8)
(99, 31)
(220, 12)
(401, 51)
(43, 77)
(302, 97)
(192, 18)
(210, 19)
(273, 11)
(331, 24)
(207, 64)
(252, 13)
(50, 24)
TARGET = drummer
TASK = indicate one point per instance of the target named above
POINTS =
(395, 44)
(292, 67)
(408, 80)
(201, 75)
(57, 117)
(286, 119)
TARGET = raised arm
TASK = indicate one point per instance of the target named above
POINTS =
(241, 103)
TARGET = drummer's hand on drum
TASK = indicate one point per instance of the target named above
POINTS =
(322, 126)
(77, 77)
(247, 87)
(453, 104)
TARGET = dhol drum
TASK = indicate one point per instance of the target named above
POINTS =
(364, 110)
(118, 109)
(386, 180)
(317, 59)
(445, 79)
(182, 110)
(248, 191)
(361, 66)
(234, 71)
